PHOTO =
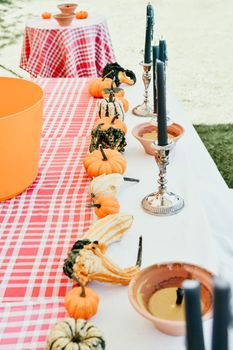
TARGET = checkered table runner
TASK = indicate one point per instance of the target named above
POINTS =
(25, 326)
(38, 227)
(68, 52)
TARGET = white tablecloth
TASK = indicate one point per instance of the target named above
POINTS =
(193, 235)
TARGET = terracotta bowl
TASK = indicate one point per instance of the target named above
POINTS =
(68, 8)
(174, 130)
(20, 131)
(170, 274)
(64, 20)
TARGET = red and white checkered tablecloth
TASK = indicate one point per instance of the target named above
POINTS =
(25, 326)
(39, 226)
(77, 51)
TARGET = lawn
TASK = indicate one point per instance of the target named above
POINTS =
(218, 140)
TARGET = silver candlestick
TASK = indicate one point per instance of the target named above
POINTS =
(162, 203)
(144, 110)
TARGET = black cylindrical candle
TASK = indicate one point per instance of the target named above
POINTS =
(163, 51)
(147, 53)
(150, 12)
(194, 331)
(155, 52)
(161, 105)
(221, 315)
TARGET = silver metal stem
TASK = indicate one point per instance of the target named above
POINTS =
(162, 202)
(144, 110)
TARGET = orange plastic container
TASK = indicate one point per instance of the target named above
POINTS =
(21, 105)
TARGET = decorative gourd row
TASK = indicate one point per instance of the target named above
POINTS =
(86, 260)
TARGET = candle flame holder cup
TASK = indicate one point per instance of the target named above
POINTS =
(162, 202)
(169, 275)
(175, 132)
(144, 110)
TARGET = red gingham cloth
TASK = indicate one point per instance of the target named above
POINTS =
(26, 326)
(38, 227)
(67, 52)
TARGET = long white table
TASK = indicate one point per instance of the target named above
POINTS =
(198, 234)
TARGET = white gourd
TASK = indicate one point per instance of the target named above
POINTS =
(110, 229)
(107, 108)
(103, 185)
(71, 334)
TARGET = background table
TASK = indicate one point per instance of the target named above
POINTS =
(40, 226)
(81, 50)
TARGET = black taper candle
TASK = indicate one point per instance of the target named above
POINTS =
(221, 315)
(163, 51)
(148, 39)
(150, 12)
(161, 104)
(155, 52)
(194, 330)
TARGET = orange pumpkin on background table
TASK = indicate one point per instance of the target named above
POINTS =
(81, 302)
(46, 15)
(97, 85)
(105, 205)
(104, 161)
(81, 14)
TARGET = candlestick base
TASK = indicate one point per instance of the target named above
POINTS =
(144, 109)
(162, 204)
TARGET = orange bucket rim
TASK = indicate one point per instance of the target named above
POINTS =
(28, 108)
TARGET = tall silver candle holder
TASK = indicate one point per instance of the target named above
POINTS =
(144, 110)
(162, 202)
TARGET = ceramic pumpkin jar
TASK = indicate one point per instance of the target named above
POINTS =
(104, 161)
(75, 334)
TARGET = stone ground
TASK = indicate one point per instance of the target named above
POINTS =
(199, 37)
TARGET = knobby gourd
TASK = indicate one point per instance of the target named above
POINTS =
(120, 74)
(87, 262)
(110, 133)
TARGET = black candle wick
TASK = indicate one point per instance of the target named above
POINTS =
(179, 296)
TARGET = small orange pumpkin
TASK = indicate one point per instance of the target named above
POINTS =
(46, 15)
(81, 14)
(97, 85)
(104, 161)
(81, 302)
(125, 103)
(107, 122)
(105, 205)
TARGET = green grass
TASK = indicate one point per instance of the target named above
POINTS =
(218, 140)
